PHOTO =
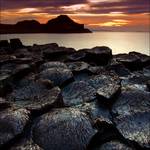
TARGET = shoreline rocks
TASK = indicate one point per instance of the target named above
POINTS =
(54, 98)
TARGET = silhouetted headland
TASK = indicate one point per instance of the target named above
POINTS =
(61, 24)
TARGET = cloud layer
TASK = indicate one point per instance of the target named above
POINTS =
(122, 10)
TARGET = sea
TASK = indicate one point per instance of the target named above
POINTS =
(119, 42)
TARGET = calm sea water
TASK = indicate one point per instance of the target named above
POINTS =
(119, 42)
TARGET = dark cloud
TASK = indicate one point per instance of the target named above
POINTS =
(13, 4)
(125, 6)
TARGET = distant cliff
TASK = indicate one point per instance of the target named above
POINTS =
(61, 24)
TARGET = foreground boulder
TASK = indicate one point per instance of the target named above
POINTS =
(99, 115)
(132, 114)
(135, 128)
(58, 76)
(12, 123)
(78, 66)
(131, 62)
(53, 64)
(78, 92)
(144, 58)
(136, 80)
(16, 44)
(100, 55)
(114, 145)
(4, 104)
(37, 96)
(63, 129)
(5, 47)
(107, 87)
(26, 145)
(58, 53)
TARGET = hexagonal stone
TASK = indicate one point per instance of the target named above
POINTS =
(107, 87)
(58, 76)
(12, 123)
(53, 64)
(26, 145)
(114, 145)
(78, 66)
(145, 59)
(98, 114)
(78, 92)
(36, 97)
(131, 101)
(136, 128)
(100, 55)
(132, 116)
(4, 104)
(63, 129)
(131, 62)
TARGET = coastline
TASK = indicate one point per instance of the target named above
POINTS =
(90, 98)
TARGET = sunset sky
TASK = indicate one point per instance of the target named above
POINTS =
(117, 15)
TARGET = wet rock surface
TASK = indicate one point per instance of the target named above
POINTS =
(56, 98)
(132, 111)
(36, 97)
(107, 87)
(78, 92)
(63, 129)
(12, 123)
(114, 145)
(58, 76)
(26, 145)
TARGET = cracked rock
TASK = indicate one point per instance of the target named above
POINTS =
(78, 92)
(12, 123)
(63, 129)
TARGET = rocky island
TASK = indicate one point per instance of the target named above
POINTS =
(57, 98)
(61, 24)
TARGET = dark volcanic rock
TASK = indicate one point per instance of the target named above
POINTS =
(136, 80)
(12, 123)
(16, 44)
(100, 55)
(15, 70)
(107, 87)
(148, 84)
(53, 64)
(4, 104)
(4, 84)
(144, 58)
(78, 92)
(132, 114)
(99, 115)
(58, 76)
(37, 97)
(131, 62)
(22, 53)
(57, 53)
(118, 68)
(114, 145)
(77, 56)
(78, 66)
(26, 145)
(63, 129)
(135, 128)
(132, 101)
(5, 47)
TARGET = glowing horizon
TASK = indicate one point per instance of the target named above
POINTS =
(95, 14)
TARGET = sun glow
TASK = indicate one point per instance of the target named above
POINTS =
(27, 10)
(76, 7)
